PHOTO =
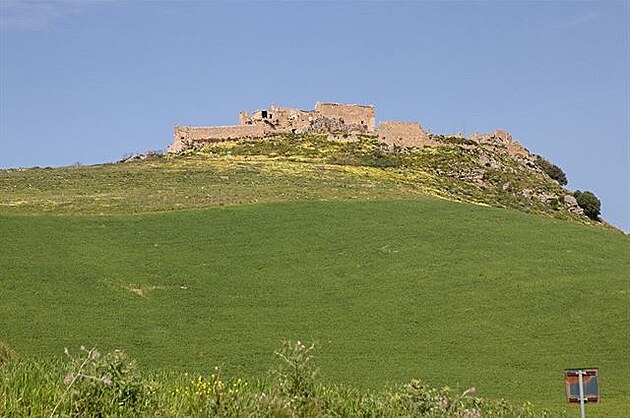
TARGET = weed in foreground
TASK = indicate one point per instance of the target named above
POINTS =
(96, 385)
(99, 385)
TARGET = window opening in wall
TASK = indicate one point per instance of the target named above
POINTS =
(264, 114)
(182, 137)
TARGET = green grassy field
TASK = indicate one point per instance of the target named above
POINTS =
(456, 294)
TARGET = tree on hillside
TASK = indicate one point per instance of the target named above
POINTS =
(551, 170)
(589, 203)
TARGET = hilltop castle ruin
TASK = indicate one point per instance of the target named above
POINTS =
(332, 118)
(339, 120)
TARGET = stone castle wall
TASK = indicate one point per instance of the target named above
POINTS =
(405, 134)
(186, 136)
(331, 118)
(361, 115)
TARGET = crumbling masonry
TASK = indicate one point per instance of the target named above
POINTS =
(339, 120)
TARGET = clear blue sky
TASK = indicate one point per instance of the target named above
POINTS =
(89, 81)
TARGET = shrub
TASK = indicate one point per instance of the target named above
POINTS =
(551, 170)
(589, 203)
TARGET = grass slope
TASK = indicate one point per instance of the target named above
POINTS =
(455, 294)
(288, 168)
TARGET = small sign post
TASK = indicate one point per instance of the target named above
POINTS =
(582, 385)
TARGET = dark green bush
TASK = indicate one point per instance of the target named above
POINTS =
(589, 203)
(551, 170)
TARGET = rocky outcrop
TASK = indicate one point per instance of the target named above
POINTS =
(571, 202)
(502, 140)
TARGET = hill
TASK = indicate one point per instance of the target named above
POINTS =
(292, 167)
(409, 284)
(453, 293)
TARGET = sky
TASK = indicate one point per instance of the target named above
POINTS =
(90, 81)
